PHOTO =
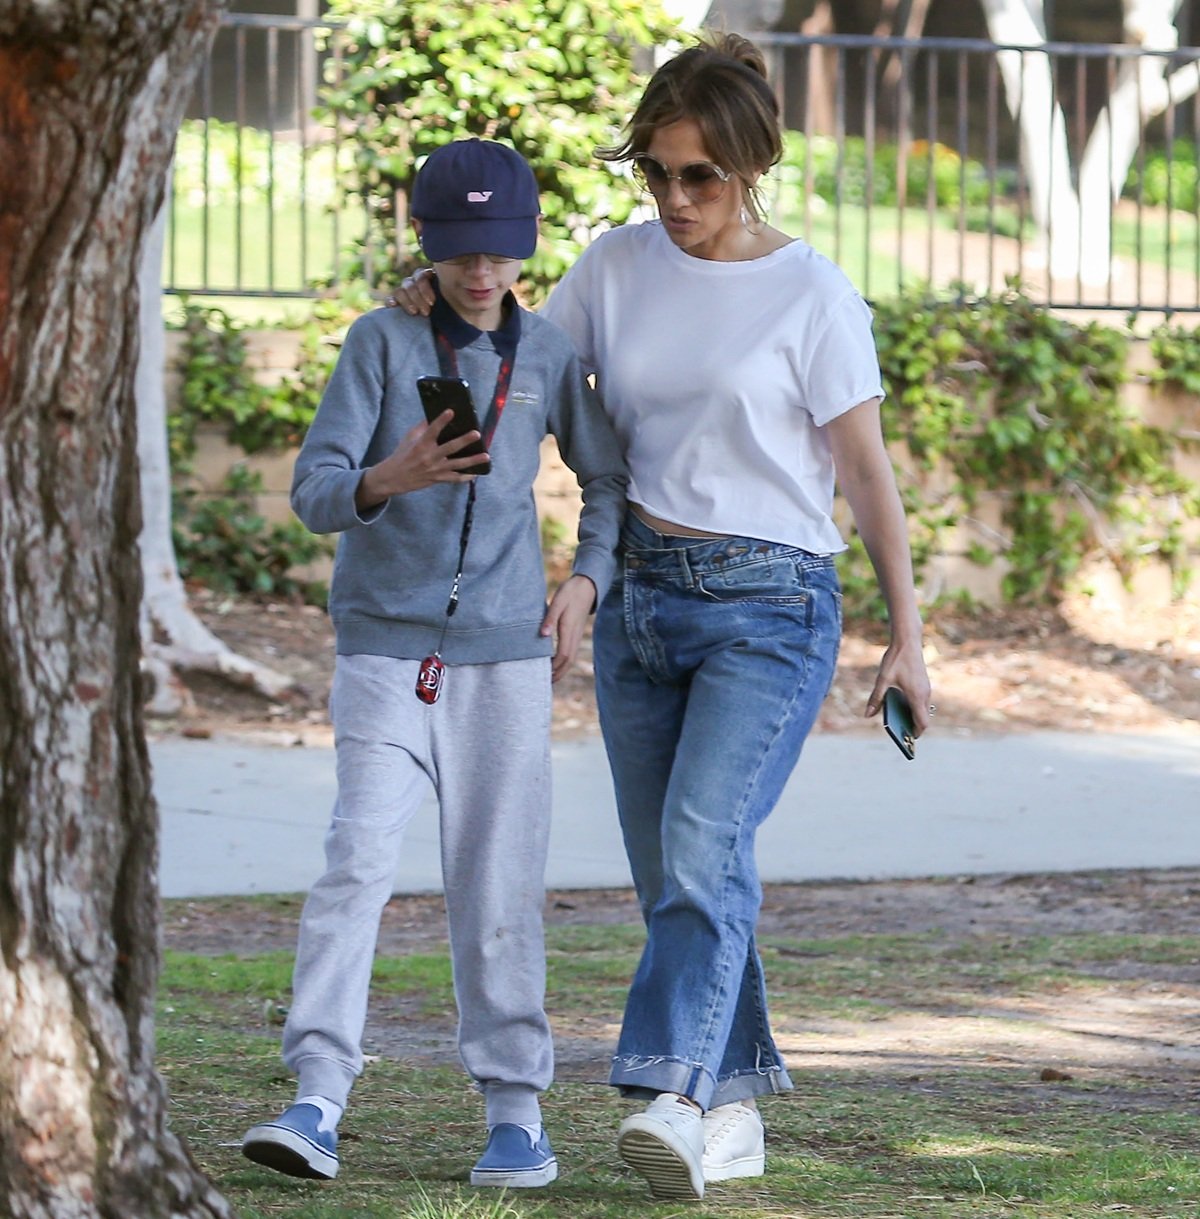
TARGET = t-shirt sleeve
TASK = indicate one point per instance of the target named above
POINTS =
(569, 308)
(843, 368)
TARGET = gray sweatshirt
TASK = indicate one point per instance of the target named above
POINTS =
(396, 563)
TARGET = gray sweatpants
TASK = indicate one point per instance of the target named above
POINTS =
(485, 746)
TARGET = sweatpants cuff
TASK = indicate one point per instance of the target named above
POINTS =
(324, 1077)
(514, 1103)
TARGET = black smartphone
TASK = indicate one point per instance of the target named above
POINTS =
(897, 721)
(453, 393)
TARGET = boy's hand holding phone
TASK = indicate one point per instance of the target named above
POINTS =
(439, 394)
(419, 461)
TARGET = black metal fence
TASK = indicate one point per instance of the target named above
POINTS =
(1071, 167)
(257, 205)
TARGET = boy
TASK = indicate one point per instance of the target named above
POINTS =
(408, 593)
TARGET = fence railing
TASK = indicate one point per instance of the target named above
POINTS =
(257, 205)
(1072, 167)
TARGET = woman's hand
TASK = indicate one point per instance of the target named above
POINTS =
(868, 482)
(415, 294)
(903, 666)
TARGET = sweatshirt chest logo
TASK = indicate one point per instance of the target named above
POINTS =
(522, 397)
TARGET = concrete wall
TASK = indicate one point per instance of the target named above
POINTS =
(273, 354)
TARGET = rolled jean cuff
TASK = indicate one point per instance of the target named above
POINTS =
(647, 1077)
(748, 1084)
(636, 1075)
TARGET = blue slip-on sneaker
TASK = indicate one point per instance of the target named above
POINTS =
(292, 1144)
(511, 1158)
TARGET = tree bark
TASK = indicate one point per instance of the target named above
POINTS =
(91, 93)
(174, 640)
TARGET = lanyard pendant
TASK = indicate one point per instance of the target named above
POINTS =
(430, 677)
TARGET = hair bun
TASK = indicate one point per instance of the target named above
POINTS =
(741, 49)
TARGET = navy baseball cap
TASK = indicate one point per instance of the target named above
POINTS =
(476, 197)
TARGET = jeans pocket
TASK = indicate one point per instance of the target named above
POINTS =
(778, 581)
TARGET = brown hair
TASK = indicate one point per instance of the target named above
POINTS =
(721, 84)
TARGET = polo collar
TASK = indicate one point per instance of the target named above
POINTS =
(462, 334)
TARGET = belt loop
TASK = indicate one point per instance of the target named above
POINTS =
(685, 570)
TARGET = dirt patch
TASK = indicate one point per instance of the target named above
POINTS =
(1147, 902)
(1133, 1023)
(1080, 667)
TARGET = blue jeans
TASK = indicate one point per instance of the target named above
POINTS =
(712, 660)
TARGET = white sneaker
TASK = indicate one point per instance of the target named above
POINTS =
(665, 1143)
(733, 1143)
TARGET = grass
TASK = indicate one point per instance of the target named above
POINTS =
(981, 1140)
(281, 250)
(1160, 245)
(284, 248)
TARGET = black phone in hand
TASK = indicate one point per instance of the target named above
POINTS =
(439, 394)
(898, 721)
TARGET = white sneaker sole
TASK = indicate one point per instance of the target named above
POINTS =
(289, 1152)
(651, 1148)
(529, 1178)
(747, 1166)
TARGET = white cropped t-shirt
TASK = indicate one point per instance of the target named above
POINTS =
(719, 376)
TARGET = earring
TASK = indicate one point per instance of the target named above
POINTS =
(751, 223)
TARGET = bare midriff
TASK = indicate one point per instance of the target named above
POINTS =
(657, 523)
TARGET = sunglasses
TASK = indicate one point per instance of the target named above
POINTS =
(466, 260)
(701, 181)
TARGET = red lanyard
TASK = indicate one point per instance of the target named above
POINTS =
(432, 673)
(448, 367)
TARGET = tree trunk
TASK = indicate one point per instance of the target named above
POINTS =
(1142, 91)
(899, 19)
(174, 640)
(820, 113)
(1045, 157)
(90, 98)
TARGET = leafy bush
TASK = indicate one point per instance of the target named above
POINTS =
(218, 163)
(1167, 178)
(223, 543)
(554, 78)
(218, 385)
(1001, 395)
(1176, 349)
(993, 392)
(841, 172)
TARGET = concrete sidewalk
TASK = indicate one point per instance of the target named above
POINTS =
(241, 818)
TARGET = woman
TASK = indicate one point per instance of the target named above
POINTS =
(739, 370)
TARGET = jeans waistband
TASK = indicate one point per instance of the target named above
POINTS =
(636, 535)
